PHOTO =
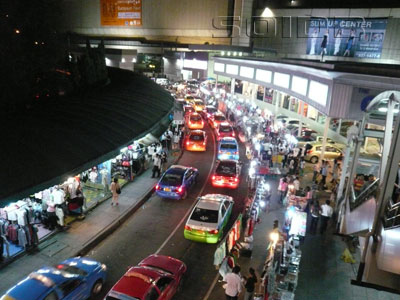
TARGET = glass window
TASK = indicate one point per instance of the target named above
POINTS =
(225, 129)
(172, 179)
(188, 174)
(228, 146)
(51, 296)
(152, 294)
(196, 137)
(163, 282)
(223, 210)
(195, 118)
(205, 215)
(226, 168)
(219, 118)
(71, 269)
(68, 286)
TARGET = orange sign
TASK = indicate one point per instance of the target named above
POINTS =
(121, 12)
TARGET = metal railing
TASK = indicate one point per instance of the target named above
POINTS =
(365, 195)
(391, 219)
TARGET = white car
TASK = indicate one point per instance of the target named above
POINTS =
(209, 218)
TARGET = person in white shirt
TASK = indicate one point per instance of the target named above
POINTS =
(233, 285)
(296, 184)
(326, 214)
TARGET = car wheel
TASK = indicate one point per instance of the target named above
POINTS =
(96, 289)
(314, 159)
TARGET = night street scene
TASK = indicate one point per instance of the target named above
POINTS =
(200, 150)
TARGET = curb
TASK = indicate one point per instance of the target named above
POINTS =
(119, 221)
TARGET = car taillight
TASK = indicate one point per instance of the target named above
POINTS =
(233, 134)
(236, 152)
(187, 143)
(157, 187)
(187, 227)
(309, 151)
(236, 179)
(213, 178)
(215, 124)
(215, 231)
(180, 189)
(204, 143)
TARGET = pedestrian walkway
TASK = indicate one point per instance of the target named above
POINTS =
(323, 275)
(83, 235)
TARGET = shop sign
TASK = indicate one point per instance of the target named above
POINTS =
(353, 37)
(121, 12)
(299, 224)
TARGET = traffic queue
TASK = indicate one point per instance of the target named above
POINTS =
(157, 276)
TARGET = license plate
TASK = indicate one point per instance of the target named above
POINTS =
(228, 153)
(167, 189)
(200, 231)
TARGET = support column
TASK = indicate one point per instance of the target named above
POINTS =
(216, 84)
(233, 86)
(300, 119)
(345, 166)
(339, 126)
(387, 140)
(326, 129)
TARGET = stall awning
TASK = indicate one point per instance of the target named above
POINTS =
(62, 137)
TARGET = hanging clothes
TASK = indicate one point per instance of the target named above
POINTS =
(12, 233)
(22, 217)
(60, 216)
(22, 238)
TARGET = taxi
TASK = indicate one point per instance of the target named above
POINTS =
(196, 140)
(195, 121)
(209, 218)
(209, 110)
(189, 99)
(187, 110)
(228, 148)
(226, 174)
(216, 119)
(198, 105)
(224, 130)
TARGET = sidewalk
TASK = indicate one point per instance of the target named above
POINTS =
(83, 235)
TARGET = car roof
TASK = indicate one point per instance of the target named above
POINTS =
(197, 132)
(136, 281)
(162, 262)
(38, 283)
(212, 201)
(83, 263)
(176, 169)
(228, 140)
(225, 124)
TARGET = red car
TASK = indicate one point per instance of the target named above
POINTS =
(156, 277)
(188, 109)
(224, 130)
(226, 174)
(216, 119)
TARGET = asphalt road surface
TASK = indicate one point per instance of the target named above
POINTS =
(158, 228)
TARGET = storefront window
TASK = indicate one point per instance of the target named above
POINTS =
(268, 95)
(238, 86)
(260, 92)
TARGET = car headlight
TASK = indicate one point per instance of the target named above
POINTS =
(104, 267)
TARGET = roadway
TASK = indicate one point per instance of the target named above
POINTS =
(158, 228)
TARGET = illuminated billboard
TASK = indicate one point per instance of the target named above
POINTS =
(121, 12)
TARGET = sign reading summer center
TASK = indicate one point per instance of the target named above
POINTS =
(121, 12)
(359, 37)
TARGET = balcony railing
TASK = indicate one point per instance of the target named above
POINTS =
(365, 195)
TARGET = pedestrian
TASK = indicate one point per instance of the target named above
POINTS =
(316, 170)
(302, 166)
(233, 286)
(156, 166)
(296, 184)
(250, 285)
(116, 191)
(324, 173)
(326, 214)
(315, 213)
(164, 160)
(282, 188)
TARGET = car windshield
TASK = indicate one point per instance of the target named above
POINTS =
(205, 215)
(228, 146)
(211, 110)
(226, 169)
(196, 137)
(189, 97)
(172, 179)
(195, 118)
(189, 108)
(158, 269)
(71, 269)
(225, 129)
(219, 118)
(199, 102)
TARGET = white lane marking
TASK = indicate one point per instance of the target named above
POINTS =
(211, 287)
(191, 208)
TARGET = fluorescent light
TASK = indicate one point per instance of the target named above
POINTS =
(263, 75)
(247, 72)
(267, 13)
(318, 92)
(281, 79)
(234, 53)
(195, 64)
(299, 85)
(382, 109)
(219, 67)
(240, 53)
(123, 60)
(222, 53)
(232, 69)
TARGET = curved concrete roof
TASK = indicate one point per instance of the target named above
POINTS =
(60, 138)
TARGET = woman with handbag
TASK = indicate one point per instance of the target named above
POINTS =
(115, 190)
